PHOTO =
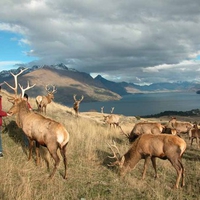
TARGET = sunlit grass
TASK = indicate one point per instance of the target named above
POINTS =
(89, 177)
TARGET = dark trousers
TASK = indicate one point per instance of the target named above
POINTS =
(1, 148)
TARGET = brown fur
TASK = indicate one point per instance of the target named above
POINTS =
(43, 101)
(145, 128)
(195, 134)
(149, 146)
(112, 120)
(77, 104)
(44, 131)
(181, 127)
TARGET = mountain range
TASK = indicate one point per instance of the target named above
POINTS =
(69, 81)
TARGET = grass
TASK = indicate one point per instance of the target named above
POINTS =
(89, 177)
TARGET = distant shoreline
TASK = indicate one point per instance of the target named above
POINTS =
(193, 112)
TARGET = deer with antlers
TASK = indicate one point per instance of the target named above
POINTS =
(77, 104)
(149, 146)
(143, 128)
(43, 101)
(44, 131)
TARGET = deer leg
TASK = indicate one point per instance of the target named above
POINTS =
(153, 160)
(37, 153)
(145, 167)
(191, 141)
(176, 163)
(198, 144)
(31, 142)
(64, 155)
(53, 152)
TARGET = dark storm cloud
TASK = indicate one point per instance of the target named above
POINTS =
(137, 41)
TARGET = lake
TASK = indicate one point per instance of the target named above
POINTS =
(147, 104)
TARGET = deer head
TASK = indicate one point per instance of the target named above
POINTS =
(51, 91)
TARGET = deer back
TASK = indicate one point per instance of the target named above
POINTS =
(111, 119)
(179, 125)
(145, 128)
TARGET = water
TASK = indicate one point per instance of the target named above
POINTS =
(147, 104)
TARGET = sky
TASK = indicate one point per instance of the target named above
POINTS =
(136, 41)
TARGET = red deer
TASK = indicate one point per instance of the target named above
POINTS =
(77, 104)
(44, 131)
(149, 146)
(194, 133)
(112, 120)
(144, 128)
(43, 101)
(181, 127)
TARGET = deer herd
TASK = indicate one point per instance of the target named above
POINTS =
(148, 140)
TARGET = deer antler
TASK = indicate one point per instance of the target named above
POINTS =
(15, 79)
(54, 89)
(78, 101)
(74, 97)
(127, 135)
(102, 109)
(1, 83)
(82, 97)
(112, 109)
(48, 89)
(27, 88)
(114, 154)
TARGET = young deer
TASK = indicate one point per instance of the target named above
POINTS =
(44, 131)
(149, 146)
(43, 101)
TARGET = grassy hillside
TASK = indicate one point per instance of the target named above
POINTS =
(89, 177)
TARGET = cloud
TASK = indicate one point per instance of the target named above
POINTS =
(8, 64)
(135, 41)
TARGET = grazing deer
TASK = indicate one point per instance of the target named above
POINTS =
(144, 128)
(44, 131)
(43, 101)
(77, 104)
(194, 133)
(112, 120)
(149, 146)
(181, 127)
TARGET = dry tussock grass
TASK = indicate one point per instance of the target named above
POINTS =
(89, 176)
